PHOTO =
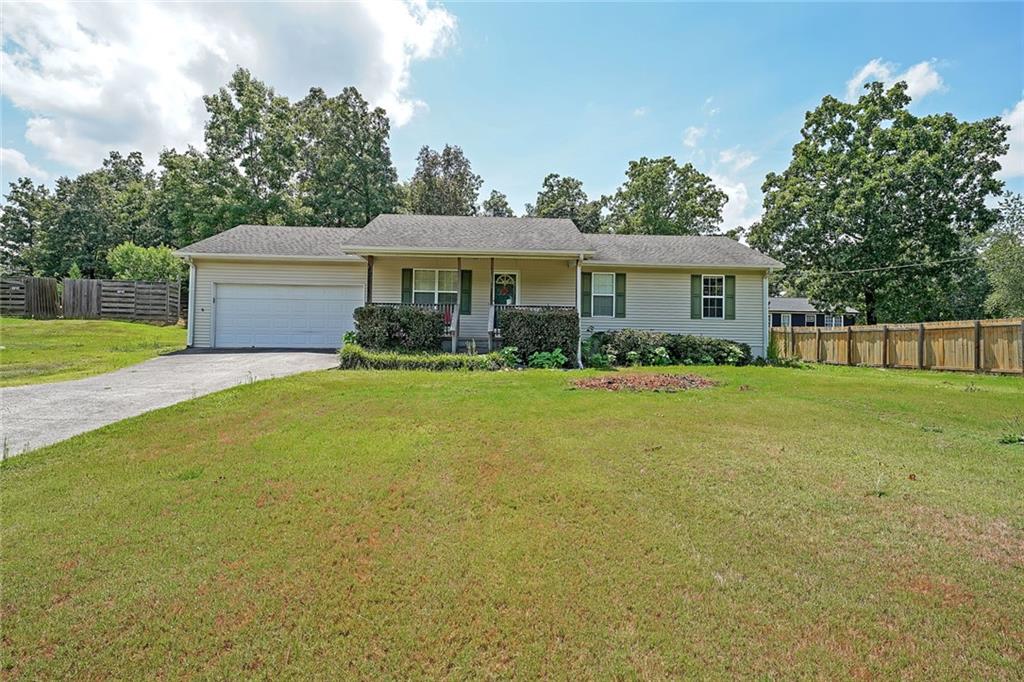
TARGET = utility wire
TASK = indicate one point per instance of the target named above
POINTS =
(887, 267)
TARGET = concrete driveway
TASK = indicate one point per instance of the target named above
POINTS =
(37, 415)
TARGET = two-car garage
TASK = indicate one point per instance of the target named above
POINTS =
(274, 304)
(282, 315)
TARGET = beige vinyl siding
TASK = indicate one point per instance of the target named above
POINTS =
(541, 282)
(210, 272)
(659, 300)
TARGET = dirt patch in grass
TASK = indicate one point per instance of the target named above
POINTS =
(645, 382)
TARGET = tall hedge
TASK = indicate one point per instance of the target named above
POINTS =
(541, 330)
(404, 328)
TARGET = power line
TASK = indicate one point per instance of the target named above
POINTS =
(887, 267)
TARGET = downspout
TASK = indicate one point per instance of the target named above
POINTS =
(765, 340)
(191, 303)
(579, 302)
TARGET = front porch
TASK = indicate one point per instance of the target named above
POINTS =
(472, 292)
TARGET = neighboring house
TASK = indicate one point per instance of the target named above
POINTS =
(800, 312)
(294, 287)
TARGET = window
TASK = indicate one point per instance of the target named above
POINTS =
(714, 296)
(787, 320)
(834, 321)
(435, 286)
(602, 299)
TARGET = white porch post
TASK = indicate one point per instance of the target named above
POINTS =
(579, 306)
(458, 306)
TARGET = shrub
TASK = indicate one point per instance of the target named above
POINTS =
(354, 356)
(402, 328)
(144, 263)
(509, 356)
(640, 347)
(552, 360)
(533, 331)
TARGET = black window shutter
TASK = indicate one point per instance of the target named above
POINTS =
(730, 297)
(585, 294)
(466, 283)
(620, 294)
(696, 297)
(406, 285)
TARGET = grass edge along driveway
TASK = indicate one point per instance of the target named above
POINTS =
(41, 351)
(828, 522)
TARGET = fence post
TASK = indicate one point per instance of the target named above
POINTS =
(885, 345)
(977, 345)
(1022, 347)
(849, 345)
(792, 340)
(920, 345)
(817, 344)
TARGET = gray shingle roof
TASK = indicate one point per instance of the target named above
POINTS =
(791, 304)
(470, 234)
(647, 249)
(276, 240)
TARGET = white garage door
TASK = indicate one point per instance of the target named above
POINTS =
(283, 316)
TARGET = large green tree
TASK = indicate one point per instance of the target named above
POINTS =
(879, 208)
(563, 197)
(24, 219)
(660, 196)
(444, 183)
(196, 198)
(497, 206)
(347, 178)
(253, 128)
(1003, 259)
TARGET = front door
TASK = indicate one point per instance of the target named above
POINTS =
(505, 284)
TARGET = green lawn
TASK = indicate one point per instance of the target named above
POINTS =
(827, 522)
(36, 351)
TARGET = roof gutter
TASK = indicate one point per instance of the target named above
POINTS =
(685, 266)
(433, 251)
(267, 257)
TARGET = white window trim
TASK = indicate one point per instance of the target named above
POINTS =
(519, 282)
(704, 297)
(593, 308)
(786, 319)
(437, 279)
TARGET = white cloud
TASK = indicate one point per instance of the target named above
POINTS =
(738, 212)
(640, 112)
(96, 77)
(709, 107)
(1013, 162)
(13, 165)
(736, 158)
(921, 78)
(692, 135)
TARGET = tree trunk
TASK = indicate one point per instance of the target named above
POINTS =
(870, 306)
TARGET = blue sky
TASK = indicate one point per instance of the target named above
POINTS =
(525, 89)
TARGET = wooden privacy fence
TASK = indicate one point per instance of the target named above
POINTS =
(966, 345)
(29, 297)
(112, 299)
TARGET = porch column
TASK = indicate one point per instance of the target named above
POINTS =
(369, 280)
(579, 307)
(458, 306)
(490, 309)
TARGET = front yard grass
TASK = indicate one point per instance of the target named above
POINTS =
(37, 351)
(828, 522)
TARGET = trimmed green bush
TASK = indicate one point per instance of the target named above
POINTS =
(400, 328)
(541, 331)
(637, 346)
(354, 356)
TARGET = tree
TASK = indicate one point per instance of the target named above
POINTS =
(347, 178)
(196, 197)
(563, 197)
(662, 197)
(497, 205)
(443, 184)
(252, 128)
(879, 209)
(24, 218)
(1004, 260)
(145, 263)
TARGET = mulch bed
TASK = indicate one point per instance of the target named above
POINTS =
(645, 382)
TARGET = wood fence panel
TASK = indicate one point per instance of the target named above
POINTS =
(902, 349)
(960, 345)
(81, 299)
(867, 346)
(12, 296)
